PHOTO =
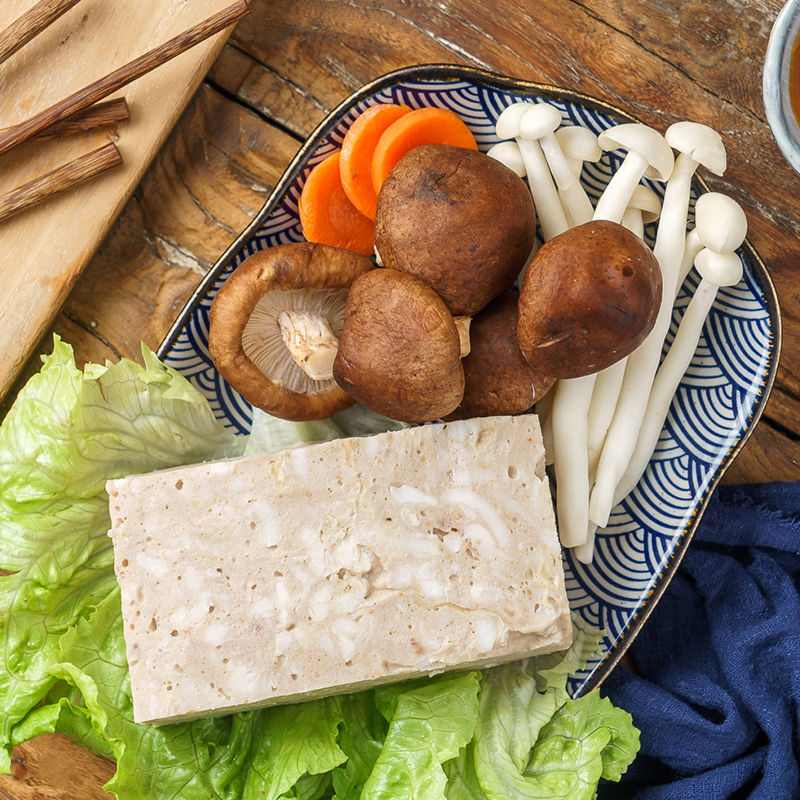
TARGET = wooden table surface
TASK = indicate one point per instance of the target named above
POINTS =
(291, 61)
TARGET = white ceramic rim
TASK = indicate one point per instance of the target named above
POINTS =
(777, 103)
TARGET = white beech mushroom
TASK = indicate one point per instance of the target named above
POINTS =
(508, 153)
(275, 325)
(578, 144)
(643, 209)
(539, 122)
(697, 145)
(540, 182)
(648, 154)
(722, 226)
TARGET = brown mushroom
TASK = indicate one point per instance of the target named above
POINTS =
(275, 325)
(399, 352)
(590, 297)
(459, 220)
(498, 379)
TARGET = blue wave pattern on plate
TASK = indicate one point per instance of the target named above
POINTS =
(710, 413)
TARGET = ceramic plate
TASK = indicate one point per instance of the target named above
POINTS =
(714, 410)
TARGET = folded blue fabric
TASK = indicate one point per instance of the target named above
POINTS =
(716, 684)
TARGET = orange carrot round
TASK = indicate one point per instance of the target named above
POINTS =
(423, 126)
(358, 148)
(326, 214)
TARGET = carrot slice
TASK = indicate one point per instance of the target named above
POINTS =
(358, 147)
(423, 126)
(327, 216)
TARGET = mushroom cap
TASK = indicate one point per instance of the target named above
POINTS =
(399, 353)
(578, 143)
(498, 379)
(539, 120)
(700, 142)
(720, 222)
(508, 154)
(245, 341)
(719, 269)
(459, 220)
(507, 125)
(644, 140)
(590, 297)
(644, 199)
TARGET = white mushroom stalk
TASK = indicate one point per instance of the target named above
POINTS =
(722, 226)
(643, 209)
(539, 122)
(549, 210)
(649, 154)
(697, 144)
(310, 341)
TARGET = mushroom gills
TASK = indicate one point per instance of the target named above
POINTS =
(292, 336)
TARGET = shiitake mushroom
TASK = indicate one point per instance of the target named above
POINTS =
(590, 297)
(458, 220)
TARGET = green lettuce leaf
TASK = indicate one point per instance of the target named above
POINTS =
(462, 780)
(587, 739)
(429, 725)
(362, 736)
(533, 742)
(67, 433)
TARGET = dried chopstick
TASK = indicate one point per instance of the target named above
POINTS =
(100, 114)
(31, 24)
(16, 134)
(64, 177)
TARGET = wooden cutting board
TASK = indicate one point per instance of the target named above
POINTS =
(44, 249)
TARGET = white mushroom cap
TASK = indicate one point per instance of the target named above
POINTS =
(507, 125)
(644, 140)
(644, 199)
(719, 269)
(701, 143)
(538, 120)
(508, 153)
(578, 144)
(720, 222)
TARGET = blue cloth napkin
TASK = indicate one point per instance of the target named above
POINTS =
(716, 684)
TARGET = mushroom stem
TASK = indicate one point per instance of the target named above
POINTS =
(570, 415)
(691, 248)
(718, 267)
(462, 326)
(539, 123)
(552, 218)
(642, 365)
(310, 341)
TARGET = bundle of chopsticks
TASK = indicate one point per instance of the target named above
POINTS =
(84, 110)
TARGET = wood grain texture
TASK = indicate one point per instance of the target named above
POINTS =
(52, 767)
(105, 114)
(60, 179)
(44, 250)
(290, 62)
(78, 101)
(31, 24)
